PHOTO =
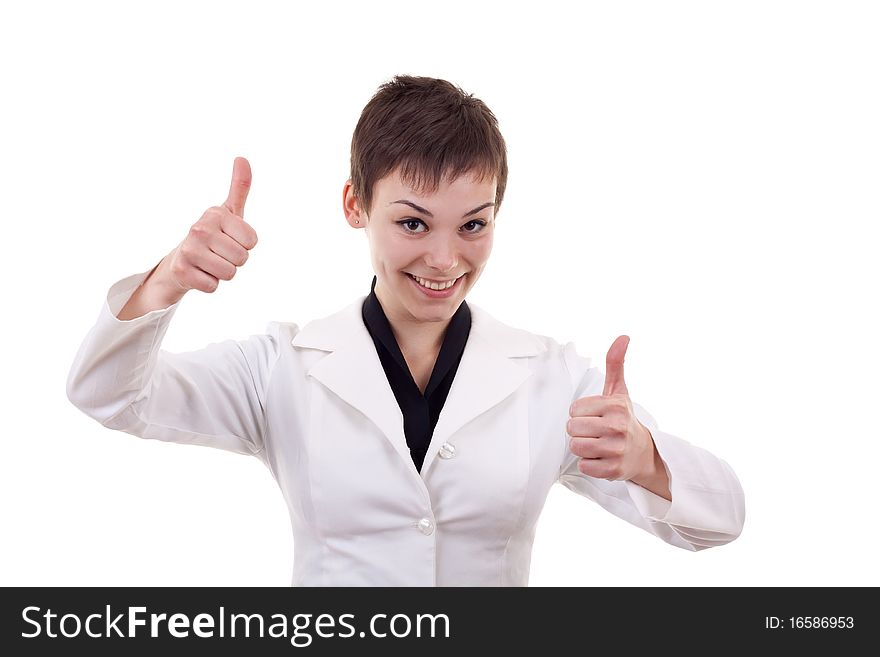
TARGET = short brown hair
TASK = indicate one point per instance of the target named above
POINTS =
(429, 129)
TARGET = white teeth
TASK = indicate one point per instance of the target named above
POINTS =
(434, 286)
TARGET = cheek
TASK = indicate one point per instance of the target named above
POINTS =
(390, 250)
(482, 251)
(397, 249)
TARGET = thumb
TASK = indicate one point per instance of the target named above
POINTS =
(614, 383)
(238, 189)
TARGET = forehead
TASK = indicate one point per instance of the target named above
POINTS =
(464, 188)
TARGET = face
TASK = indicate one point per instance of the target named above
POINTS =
(439, 237)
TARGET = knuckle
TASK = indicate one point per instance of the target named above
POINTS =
(198, 232)
(211, 218)
(178, 269)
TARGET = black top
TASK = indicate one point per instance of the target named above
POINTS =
(420, 412)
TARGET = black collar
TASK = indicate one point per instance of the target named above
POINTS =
(454, 340)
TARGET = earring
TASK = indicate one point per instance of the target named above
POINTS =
(357, 221)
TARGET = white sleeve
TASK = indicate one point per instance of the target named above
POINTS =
(708, 503)
(214, 396)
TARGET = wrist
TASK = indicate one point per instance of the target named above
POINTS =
(654, 476)
(160, 286)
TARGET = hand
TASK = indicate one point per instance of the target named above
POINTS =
(604, 430)
(218, 243)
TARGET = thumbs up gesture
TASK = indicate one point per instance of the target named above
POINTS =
(218, 243)
(605, 432)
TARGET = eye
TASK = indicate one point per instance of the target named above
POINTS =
(480, 223)
(406, 223)
(410, 224)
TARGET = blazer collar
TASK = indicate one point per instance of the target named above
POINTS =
(487, 374)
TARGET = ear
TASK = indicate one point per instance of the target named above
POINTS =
(351, 207)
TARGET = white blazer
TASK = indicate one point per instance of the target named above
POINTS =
(314, 405)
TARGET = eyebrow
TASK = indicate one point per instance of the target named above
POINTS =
(419, 208)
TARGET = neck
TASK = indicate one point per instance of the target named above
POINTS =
(415, 338)
(419, 339)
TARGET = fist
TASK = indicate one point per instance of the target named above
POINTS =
(219, 242)
(604, 430)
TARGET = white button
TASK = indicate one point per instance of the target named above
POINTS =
(447, 451)
(426, 526)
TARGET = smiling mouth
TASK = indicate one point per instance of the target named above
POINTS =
(440, 285)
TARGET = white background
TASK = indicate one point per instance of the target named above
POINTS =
(700, 176)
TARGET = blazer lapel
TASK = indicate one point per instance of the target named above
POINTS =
(487, 374)
(352, 370)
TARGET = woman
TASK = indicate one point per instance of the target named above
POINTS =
(414, 437)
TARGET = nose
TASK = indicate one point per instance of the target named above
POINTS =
(441, 257)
